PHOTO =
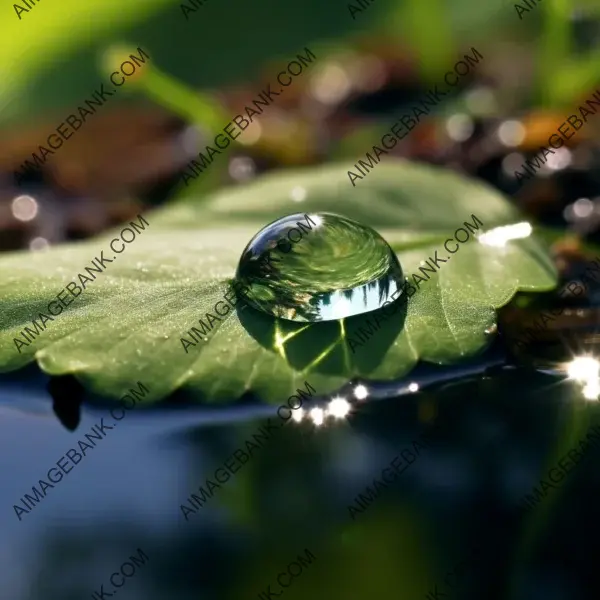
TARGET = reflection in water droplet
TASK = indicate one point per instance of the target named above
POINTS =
(318, 267)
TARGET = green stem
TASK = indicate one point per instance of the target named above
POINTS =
(193, 106)
(554, 47)
(430, 36)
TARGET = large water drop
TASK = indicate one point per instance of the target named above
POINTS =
(318, 267)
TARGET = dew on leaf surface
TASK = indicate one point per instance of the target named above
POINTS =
(318, 267)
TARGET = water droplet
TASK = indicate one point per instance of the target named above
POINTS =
(318, 267)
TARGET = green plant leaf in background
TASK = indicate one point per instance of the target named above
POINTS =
(50, 59)
(39, 42)
(127, 324)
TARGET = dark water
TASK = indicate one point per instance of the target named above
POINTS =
(452, 519)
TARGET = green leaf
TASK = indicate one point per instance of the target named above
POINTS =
(127, 324)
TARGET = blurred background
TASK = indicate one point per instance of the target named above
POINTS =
(500, 430)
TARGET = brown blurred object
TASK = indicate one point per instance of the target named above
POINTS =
(112, 151)
(537, 197)
(540, 125)
(313, 110)
(568, 250)
(93, 181)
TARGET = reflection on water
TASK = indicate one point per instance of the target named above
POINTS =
(463, 492)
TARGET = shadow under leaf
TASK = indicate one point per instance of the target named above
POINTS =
(325, 347)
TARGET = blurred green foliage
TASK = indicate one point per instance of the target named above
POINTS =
(50, 58)
(562, 76)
